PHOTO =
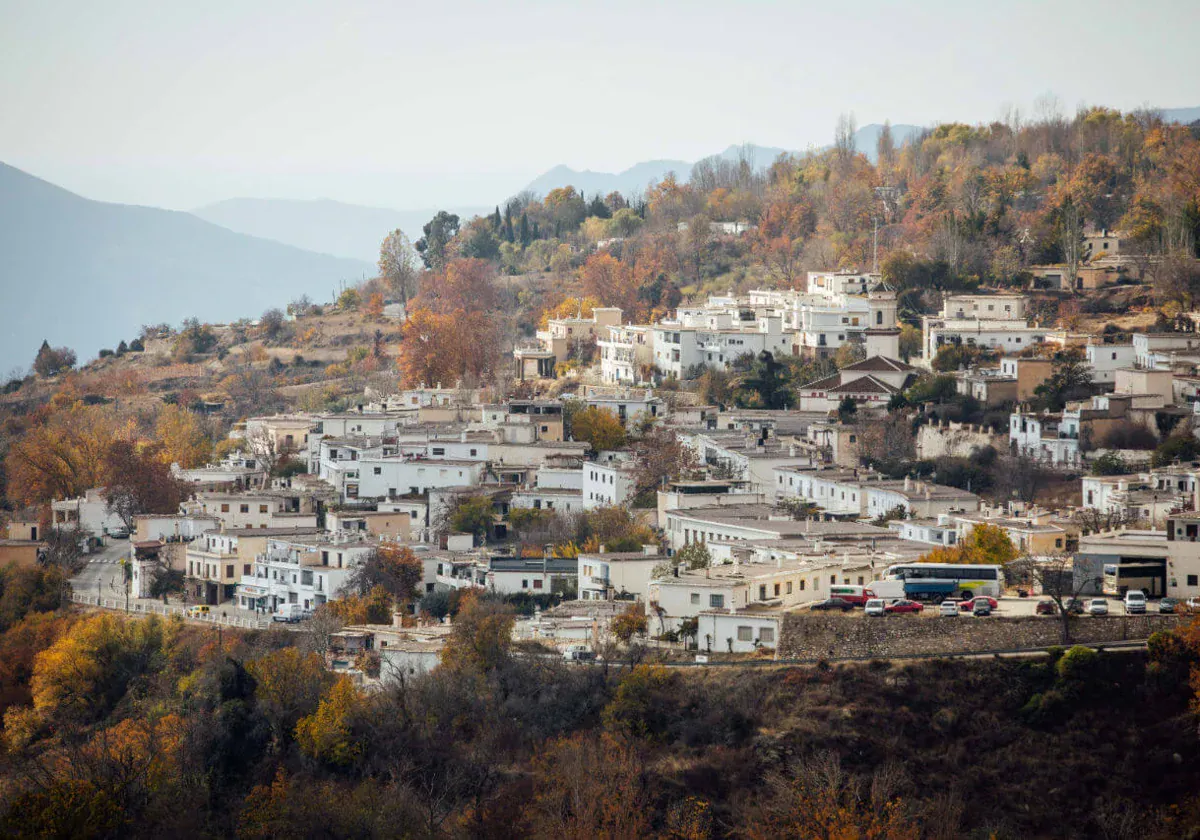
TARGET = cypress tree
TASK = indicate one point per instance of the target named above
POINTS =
(524, 229)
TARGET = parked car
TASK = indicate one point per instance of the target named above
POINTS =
(949, 608)
(1046, 607)
(119, 534)
(1193, 604)
(579, 653)
(833, 604)
(1074, 606)
(969, 606)
(1097, 606)
(875, 606)
(1168, 605)
(288, 613)
(198, 611)
(903, 605)
(981, 607)
(1135, 601)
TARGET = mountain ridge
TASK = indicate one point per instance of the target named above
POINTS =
(637, 177)
(87, 274)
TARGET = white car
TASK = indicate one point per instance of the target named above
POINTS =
(1097, 606)
(949, 608)
(579, 653)
(1135, 601)
(875, 606)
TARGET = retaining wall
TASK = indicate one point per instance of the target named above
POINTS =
(810, 636)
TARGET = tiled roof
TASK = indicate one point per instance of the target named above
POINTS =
(863, 385)
(822, 384)
(881, 363)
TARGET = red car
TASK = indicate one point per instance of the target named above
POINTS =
(969, 606)
(903, 606)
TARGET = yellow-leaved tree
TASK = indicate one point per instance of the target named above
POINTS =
(327, 735)
(183, 437)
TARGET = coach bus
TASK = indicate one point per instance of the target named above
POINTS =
(938, 581)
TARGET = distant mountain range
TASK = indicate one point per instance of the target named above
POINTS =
(322, 225)
(87, 274)
(1187, 116)
(637, 177)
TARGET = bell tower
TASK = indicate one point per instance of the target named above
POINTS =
(882, 335)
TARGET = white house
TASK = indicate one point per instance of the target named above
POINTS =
(607, 484)
(1106, 359)
(625, 574)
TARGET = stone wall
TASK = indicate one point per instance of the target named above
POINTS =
(809, 636)
(955, 439)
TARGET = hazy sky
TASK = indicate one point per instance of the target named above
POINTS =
(410, 105)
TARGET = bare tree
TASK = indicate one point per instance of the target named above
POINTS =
(843, 138)
(267, 449)
(1057, 577)
(1094, 520)
(1070, 223)
(399, 266)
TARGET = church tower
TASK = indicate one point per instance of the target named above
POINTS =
(882, 335)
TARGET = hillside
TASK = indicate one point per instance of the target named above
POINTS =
(86, 274)
(328, 227)
(637, 177)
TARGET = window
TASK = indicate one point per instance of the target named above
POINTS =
(695, 597)
(717, 602)
(378, 470)
(777, 590)
(745, 634)
(262, 508)
(244, 508)
(789, 587)
(1192, 580)
(229, 570)
(537, 584)
(474, 452)
(833, 579)
(766, 635)
(224, 508)
(439, 450)
(762, 592)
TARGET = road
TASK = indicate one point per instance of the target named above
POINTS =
(104, 575)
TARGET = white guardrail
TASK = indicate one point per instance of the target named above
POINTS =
(167, 610)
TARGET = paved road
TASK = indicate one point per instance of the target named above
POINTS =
(104, 575)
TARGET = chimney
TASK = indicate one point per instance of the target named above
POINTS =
(603, 548)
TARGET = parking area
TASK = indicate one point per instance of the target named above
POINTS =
(1011, 607)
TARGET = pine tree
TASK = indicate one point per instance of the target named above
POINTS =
(496, 220)
(508, 225)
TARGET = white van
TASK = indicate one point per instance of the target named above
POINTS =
(288, 613)
(1135, 601)
(876, 607)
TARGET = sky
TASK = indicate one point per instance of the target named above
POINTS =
(416, 105)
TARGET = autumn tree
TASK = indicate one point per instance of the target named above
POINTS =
(62, 453)
(138, 481)
(611, 282)
(599, 427)
(590, 787)
(52, 360)
(481, 636)
(374, 307)
(183, 437)
(632, 622)
(660, 457)
(394, 567)
(289, 686)
(327, 734)
(399, 266)
(82, 676)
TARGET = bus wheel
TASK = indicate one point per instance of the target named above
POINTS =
(967, 594)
